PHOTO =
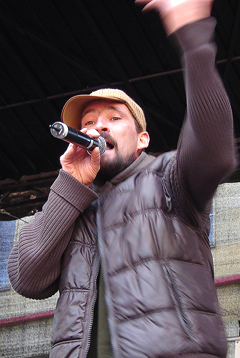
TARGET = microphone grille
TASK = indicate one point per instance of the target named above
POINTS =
(102, 145)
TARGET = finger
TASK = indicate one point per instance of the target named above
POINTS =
(72, 152)
(71, 148)
(93, 133)
(95, 158)
(150, 4)
(142, 2)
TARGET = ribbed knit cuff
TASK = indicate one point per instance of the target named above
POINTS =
(194, 35)
(74, 192)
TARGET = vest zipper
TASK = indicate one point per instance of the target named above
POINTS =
(103, 266)
(92, 308)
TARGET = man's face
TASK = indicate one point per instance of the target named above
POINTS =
(115, 123)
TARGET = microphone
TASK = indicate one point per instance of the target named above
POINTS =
(62, 131)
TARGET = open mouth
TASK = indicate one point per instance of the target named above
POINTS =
(109, 145)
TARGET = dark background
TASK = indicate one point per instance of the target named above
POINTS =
(51, 50)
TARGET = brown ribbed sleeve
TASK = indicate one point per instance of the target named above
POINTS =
(205, 153)
(35, 260)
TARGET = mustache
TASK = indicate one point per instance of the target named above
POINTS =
(108, 138)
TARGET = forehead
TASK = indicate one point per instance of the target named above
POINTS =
(105, 105)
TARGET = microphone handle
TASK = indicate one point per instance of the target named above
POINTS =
(71, 135)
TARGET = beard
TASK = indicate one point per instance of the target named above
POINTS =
(110, 169)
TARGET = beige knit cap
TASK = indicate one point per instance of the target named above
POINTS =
(73, 108)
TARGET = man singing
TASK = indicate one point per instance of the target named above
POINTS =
(133, 228)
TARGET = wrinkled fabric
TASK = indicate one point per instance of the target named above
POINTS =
(158, 274)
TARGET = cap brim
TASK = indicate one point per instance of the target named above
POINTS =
(73, 108)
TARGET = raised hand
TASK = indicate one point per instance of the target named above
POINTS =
(177, 13)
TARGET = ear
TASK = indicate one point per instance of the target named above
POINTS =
(143, 140)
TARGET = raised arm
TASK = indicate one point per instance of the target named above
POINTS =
(205, 153)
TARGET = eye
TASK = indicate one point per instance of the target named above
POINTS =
(115, 118)
(88, 123)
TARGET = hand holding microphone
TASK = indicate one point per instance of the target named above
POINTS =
(76, 161)
(62, 131)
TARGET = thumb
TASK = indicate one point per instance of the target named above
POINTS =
(95, 159)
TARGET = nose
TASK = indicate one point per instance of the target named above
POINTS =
(102, 125)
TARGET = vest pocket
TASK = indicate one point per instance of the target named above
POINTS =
(184, 321)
